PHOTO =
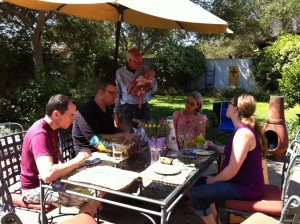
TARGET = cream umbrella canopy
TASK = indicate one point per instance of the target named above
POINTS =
(163, 14)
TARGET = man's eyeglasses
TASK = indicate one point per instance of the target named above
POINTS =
(111, 92)
(136, 62)
(190, 103)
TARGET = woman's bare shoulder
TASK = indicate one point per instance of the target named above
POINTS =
(244, 133)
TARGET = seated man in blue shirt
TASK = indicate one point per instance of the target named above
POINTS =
(127, 105)
(96, 117)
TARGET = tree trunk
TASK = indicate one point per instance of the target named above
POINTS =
(37, 52)
(35, 23)
(36, 41)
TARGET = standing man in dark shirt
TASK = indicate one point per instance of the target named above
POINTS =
(96, 117)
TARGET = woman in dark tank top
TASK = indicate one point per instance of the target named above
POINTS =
(241, 175)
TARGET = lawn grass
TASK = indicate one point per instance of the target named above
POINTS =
(163, 106)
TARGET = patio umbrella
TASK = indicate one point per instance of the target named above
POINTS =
(163, 14)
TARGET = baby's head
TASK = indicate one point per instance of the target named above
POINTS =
(150, 74)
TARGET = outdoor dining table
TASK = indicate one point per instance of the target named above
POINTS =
(156, 193)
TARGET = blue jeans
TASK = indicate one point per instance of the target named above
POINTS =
(202, 195)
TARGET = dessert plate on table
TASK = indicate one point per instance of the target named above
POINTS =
(203, 152)
(165, 169)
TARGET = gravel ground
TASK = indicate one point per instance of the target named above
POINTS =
(112, 214)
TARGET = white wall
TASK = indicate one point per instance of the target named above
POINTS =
(246, 80)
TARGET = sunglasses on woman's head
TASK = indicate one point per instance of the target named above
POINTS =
(190, 103)
(231, 103)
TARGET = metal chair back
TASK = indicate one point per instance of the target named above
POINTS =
(66, 144)
(6, 204)
(291, 211)
(10, 157)
(292, 150)
(7, 210)
(290, 177)
(13, 126)
(297, 135)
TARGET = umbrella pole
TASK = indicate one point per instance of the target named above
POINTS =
(117, 34)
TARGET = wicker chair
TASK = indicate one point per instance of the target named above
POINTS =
(272, 200)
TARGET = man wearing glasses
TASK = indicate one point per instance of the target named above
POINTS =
(96, 117)
(127, 105)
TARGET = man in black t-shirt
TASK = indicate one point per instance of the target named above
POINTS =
(96, 117)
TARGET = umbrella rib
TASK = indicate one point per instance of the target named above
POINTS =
(61, 6)
(179, 25)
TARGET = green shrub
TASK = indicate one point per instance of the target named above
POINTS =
(290, 83)
(267, 66)
(9, 111)
(84, 89)
(225, 94)
(34, 95)
(171, 92)
(178, 66)
(292, 127)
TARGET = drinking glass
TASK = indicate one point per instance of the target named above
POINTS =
(189, 140)
(155, 154)
(180, 144)
(117, 151)
(180, 141)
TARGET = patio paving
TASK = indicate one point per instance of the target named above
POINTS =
(116, 215)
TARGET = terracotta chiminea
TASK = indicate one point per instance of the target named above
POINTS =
(275, 129)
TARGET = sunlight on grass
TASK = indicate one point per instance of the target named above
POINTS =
(163, 106)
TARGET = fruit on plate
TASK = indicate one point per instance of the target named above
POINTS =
(165, 160)
(200, 141)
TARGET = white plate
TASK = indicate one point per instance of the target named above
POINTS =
(202, 152)
(166, 169)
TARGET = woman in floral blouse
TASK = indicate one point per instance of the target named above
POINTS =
(190, 122)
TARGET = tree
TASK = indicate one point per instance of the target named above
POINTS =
(179, 65)
(280, 15)
(255, 24)
(29, 22)
(290, 83)
(149, 40)
(89, 43)
(268, 65)
(15, 64)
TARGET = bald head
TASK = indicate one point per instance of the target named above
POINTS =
(134, 59)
